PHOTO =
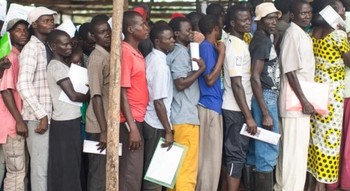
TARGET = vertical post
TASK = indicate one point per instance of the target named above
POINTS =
(126, 5)
(112, 166)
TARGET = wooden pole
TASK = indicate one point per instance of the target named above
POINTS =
(126, 5)
(112, 166)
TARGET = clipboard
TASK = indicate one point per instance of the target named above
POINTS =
(165, 165)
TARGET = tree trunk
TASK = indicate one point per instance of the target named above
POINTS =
(112, 166)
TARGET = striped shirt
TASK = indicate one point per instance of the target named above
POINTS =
(32, 82)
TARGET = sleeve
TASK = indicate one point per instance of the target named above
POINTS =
(342, 42)
(8, 78)
(28, 64)
(95, 75)
(260, 49)
(290, 55)
(206, 53)
(126, 68)
(234, 58)
(179, 64)
(159, 82)
(58, 71)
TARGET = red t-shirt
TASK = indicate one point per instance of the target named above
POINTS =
(8, 82)
(133, 77)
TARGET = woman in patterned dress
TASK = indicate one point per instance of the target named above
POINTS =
(331, 51)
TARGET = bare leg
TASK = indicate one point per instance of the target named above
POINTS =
(223, 180)
(320, 186)
(310, 182)
(232, 183)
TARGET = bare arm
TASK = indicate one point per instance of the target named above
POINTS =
(4, 64)
(213, 76)
(97, 106)
(295, 85)
(257, 68)
(134, 135)
(10, 103)
(238, 92)
(163, 118)
(67, 86)
(183, 83)
(346, 58)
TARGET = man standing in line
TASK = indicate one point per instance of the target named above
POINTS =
(265, 81)
(160, 87)
(134, 99)
(298, 65)
(96, 115)
(33, 88)
(184, 116)
(237, 95)
(13, 129)
(209, 107)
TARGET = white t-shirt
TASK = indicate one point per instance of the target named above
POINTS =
(57, 71)
(237, 63)
(160, 86)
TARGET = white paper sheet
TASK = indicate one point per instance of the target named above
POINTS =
(332, 17)
(78, 77)
(316, 93)
(262, 135)
(15, 11)
(90, 147)
(194, 48)
(3, 8)
(110, 22)
(165, 164)
(68, 26)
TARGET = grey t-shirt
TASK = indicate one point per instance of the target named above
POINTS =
(261, 48)
(184, 105)
(56, 72)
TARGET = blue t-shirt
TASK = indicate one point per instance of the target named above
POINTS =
(210, 96)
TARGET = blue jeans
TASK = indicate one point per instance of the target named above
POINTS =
(264, 155)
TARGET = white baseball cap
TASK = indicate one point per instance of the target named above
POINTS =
(38, 12)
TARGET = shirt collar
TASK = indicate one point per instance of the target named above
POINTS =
(159, 53)
(102, 50)
(180, 45)
(132, 49)
(296, 27)
(15, 50)
(36, 40)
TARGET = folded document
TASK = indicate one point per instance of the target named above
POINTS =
(91, 147)
(262, 135)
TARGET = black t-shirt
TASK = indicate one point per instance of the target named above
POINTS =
(261, 48)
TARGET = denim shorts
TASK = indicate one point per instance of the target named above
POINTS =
(264, 155)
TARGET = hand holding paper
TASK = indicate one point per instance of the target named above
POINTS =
(165, 164)
(315, 93)
(194, 48)
(332, 17)
(78, 77)
(262, 135)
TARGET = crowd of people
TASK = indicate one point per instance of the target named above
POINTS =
(251, 58)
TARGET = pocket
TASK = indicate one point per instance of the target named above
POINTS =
(14, 154)
(270, 98)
